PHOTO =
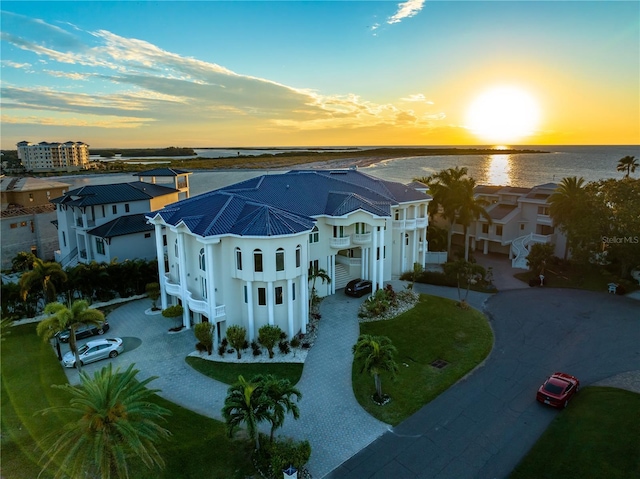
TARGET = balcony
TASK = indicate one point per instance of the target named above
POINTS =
(410, 224)
(172, 288)
(362, 238)
(421, 222)
(340, 243)
(544, 220)
(80, 223)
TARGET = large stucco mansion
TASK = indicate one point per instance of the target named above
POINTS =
(243, 254)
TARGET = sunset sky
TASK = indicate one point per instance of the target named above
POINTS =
(265, 73)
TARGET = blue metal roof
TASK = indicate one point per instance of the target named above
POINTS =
(286, 203)
(124, 225)
(113, 193)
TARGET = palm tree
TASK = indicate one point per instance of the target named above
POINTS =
(320, 274)
(443, 187)
(44, 275)
(564, 203)
(22, 261)
(279, 391)
(468, 208)
(246, 403)
(628, 164)
(61, 317)
(115, 419)
(376, 354)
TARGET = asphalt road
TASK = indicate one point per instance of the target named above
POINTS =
(482, 426)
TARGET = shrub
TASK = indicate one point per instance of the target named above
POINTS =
(268, 336)
(221, 350)
(257, 352)
(237, 338)
(284, 347)
(204, 334)
(295, 342)
(174, 311)
(153, 292)
(278, 455)
(201, 348)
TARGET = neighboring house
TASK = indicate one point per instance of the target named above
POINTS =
(106, 222)
(178, 179)
(44, 156)
(242, 254)
(27, 217)
(520, 218)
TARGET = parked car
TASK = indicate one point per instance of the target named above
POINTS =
(558, 389)
(84, 331)
(94, 351)
(358, 287)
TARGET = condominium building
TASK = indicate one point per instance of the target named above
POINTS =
(44, 156)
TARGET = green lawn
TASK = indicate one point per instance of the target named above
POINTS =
(435, 329)
(597, 436)
(198, 447)
(228, 372)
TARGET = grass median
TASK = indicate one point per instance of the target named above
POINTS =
(597, 436)
(228, 372)
(435, 329)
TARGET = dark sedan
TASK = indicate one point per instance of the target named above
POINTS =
(358, 287)
(84, 331)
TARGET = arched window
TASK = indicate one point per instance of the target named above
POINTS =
(238, 259)
(201, 260)
(280, 259)
(298, 256)
(257, 261)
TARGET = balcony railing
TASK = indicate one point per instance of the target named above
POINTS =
(421, 222)
(410, 224)
(341, 243)
(172, 288)
(362, 238)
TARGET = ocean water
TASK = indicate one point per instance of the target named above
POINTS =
(527, 170)
(591, 162)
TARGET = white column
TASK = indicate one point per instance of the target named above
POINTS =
(381, 262)
(362, 262)
(374, 264)
(270, 301)
(402, 251)
(290, 308)
(425, 247)
(250, 316)
(161, 272)
(304, 290)
(184, 289)
(211, 290)
(333, 273)
(414, 256)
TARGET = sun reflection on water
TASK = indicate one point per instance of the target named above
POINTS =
(499, 170)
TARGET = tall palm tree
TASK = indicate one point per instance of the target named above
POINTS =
(115, 419)
(44, 275)
(444, 187)
(469, 208)
(315, 274)
(565, 204)
(628, 164)
(61, 317)
(280, 393)
(247, 403)
(377, 356)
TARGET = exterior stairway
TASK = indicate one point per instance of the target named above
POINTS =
(520, 248)
(342, 276)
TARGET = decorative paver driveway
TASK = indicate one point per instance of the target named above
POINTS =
(482, 426)
(330, 417)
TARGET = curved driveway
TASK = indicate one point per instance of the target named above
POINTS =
(479, 428)
(482, 426)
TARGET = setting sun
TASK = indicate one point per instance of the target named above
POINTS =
(503, 114)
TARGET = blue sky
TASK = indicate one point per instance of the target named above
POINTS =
(315, 73)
